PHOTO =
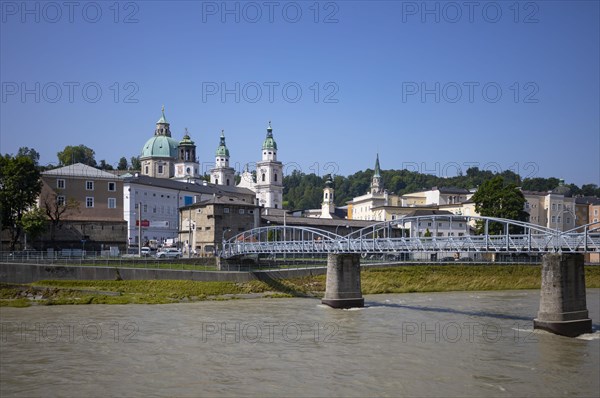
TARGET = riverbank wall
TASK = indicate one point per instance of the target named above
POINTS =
(28, 273)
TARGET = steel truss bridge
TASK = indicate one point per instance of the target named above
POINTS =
(417, 234)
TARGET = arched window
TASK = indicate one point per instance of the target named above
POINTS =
(228, 181)
(216, 181)
(275, 176)
(264, 177)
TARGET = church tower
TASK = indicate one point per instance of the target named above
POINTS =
(269, 174)
(222, 174)
(186, 165)
(328, 206)
(160, 152)
(376, 184)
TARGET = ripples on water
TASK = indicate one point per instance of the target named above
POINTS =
(425, 344)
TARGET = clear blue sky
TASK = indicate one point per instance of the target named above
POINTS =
(375, 58)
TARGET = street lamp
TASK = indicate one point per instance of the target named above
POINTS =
(223, 238)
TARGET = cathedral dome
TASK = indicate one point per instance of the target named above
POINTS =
(160, 146)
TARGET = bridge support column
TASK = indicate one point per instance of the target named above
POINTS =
(343, 281)
(563, 308)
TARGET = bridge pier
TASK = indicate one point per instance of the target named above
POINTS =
(563, 308)
(343, 281)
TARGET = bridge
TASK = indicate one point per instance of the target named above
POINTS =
(563, 308)
(417, 234)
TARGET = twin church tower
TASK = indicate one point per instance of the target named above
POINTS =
(164, 157)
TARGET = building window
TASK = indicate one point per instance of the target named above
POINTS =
(228, 182)
(112, 203)
(216, 181)
(595, 212)
(275, 176)
(145, 209)
(553, 206)
(60, 184)
(559, 206)
(568, 220)
(207, 228)
(112, 187)
(226, 210)
(242, 211)
(89, 201)
(89, 185)
(263, 177)
(554, 219)
(146, 170)
(160, 169)
(250, 211)
(60, 200)
(527, 205)
(558, 219)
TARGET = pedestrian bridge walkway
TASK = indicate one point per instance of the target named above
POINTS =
(417, 234)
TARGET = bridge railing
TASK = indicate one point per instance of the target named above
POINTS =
(409, 234)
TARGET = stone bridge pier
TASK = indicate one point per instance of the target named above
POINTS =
(563, 308)
(343, 281)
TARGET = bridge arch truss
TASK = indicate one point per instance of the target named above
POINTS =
(409, 235)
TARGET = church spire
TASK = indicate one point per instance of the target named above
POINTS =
(162, 126)
(269, 142)
(163, 119)
(222, 149)
(377, 172)
(376, 186)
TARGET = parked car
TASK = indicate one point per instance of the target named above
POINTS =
(169, 253)
(146, 251)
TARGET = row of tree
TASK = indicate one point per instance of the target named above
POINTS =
(80, 154)
(305, 191)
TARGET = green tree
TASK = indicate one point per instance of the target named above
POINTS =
(20, 186)
(30, 153)
(135, 163)
(34, 223)
(105, 166)
(496, 198)
(76, 154)
(427, 233)
(122, 164)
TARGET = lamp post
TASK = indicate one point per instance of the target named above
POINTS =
(223, 238)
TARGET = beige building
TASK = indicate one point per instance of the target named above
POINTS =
(83, 204)
(205, 224)
(554, 209)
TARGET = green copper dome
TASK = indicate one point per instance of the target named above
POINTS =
(160, 146)
(222, 148)
(186, 141)
(269, 141)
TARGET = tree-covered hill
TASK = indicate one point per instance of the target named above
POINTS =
(305, 191)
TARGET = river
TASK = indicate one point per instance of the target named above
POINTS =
(419, 344)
